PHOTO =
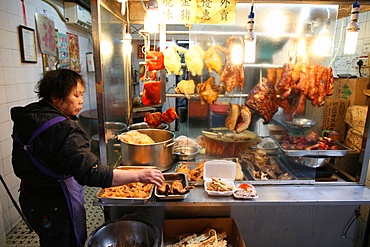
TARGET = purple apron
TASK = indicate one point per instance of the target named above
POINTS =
(73, 192)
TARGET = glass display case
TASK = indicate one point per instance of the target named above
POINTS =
(197, 119)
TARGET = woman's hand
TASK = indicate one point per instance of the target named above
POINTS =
(148, 176)
(151, 176)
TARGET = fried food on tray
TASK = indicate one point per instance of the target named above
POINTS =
(135, 137)
(218, 185)
(175, 188)
(209, 238)
(132, 190)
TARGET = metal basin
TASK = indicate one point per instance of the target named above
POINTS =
(309, 161)
(124, 233)
(158, 154)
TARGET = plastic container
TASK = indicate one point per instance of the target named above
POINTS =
(225, 170)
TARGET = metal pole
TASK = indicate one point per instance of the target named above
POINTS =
(15, 204)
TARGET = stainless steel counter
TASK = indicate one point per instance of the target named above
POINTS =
(269, 195)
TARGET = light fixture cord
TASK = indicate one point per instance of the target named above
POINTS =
(340, 42)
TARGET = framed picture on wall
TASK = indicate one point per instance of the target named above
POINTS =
(27, 41)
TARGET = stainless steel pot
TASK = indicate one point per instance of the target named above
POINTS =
(159, 154)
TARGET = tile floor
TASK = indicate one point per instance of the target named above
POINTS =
(20, 236)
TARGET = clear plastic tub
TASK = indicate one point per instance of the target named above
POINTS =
(225, 171)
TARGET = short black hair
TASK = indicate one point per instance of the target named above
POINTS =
(57, 84)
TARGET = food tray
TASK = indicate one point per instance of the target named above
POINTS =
(281, 166)
(169, 178)
(122, 200)
(343, 150)
(193, 164)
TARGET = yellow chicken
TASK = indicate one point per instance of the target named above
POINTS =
(194, 60)
(186, 87)
(172, 60)
(213, 60)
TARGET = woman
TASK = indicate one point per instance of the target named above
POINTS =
(52, 157)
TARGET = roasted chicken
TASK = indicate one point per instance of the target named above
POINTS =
(262, 99)
(294, 84)
(208, 91)
(232, 75)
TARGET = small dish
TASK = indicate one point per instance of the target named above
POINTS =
(245, 191)
(185, 152)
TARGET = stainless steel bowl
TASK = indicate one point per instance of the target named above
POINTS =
(124, 233)
(309, 161)
(300, 123)
(143, 125)
(185, 153)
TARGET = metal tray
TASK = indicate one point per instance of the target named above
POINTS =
(316, 153)
(281, 165)
(169, 178)
(193, 164)
(122, 200)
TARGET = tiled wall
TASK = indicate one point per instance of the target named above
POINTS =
(17, 81)
(344, 64)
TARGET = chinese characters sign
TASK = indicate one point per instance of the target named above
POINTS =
(197, 11)
(46, 35)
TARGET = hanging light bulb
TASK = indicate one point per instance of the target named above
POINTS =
(152, 16)
(321, 45)
(352, 30)
(123, 6)
(250, 40)
(127, 46)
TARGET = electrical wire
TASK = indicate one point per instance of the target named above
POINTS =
(357, 215)
(340, 41)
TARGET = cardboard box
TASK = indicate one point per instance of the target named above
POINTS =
(173, 227)
(351, 89)
(356, 117)
(354, 140)
(334, 115)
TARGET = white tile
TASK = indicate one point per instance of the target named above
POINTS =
(6, 58)
(2, 95)
(2, 5)
(6, 142)
(14, 39)
(4, 22)
(12, 7)
(13, 184)
(22, 91)
(16, 56)
(5, 41)
(9, 76)
(11, 92)
(4, 113)
(20, 76)
(14, 22)
(8, 171)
